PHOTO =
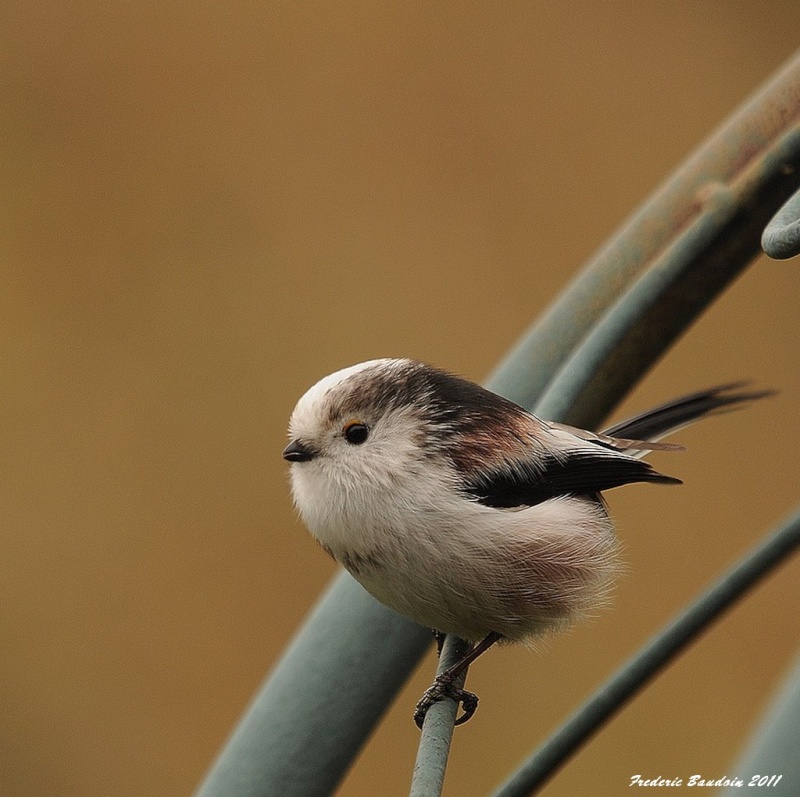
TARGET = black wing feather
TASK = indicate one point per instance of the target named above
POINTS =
(580, 472)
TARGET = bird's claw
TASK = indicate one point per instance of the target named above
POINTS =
(440, 689)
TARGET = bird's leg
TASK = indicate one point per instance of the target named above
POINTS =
(439, 636)
(443, 686)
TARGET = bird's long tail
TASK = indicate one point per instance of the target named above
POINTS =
(673, 415)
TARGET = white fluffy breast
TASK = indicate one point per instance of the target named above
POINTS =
(457, 566)
(363, 499)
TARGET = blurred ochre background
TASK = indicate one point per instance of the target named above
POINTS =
(205, 208)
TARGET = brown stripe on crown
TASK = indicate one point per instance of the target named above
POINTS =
(377, 390)
(470, 425)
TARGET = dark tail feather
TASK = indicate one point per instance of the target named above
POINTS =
(673, 415)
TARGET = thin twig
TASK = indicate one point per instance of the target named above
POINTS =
(437, 731)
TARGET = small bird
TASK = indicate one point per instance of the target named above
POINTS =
(461, 510)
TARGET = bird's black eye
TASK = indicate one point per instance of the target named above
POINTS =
(356, 432)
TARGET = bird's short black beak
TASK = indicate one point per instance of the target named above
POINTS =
(298, 451)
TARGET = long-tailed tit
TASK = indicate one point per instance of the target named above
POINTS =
(459, 509)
